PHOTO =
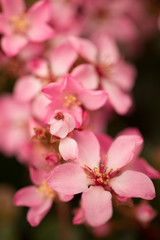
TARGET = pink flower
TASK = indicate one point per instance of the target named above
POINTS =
(116, 76)
(13, 125)
(38, 197)
(144, 212)
(61, 124)
(69, 95)
(99, 178)
(19, 27)
(105, 67)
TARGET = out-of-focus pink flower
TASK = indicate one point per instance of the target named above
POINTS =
(69, 95)
(38, 197)
(105, 67)
(104, 177)
(117, 76)
(71, 22)
(20, 27)
(13, 125)
(144, 212)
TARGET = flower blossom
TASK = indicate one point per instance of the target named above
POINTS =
(20, 27)
(69, 95)
(101, 178)
(38, 197)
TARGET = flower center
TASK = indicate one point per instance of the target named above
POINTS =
(100, 176)
(105, 69)
(45, 191)
(59, 116)
(71, 101)
(19, 23)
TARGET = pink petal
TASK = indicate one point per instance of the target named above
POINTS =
(85, 48)
(141, 165)
(59, 129)
(36, 214)
(37, 176)
(11, 45)
(97, 205)
(105, 142)
(13, 8)
(120, 101)
(62, 127)
(88, 148)
(144, 212)
(86, 74)
(40, 11)
(133, 184)
(28, 197)
(40, 102)
(68, 148)
(122, 150)
(124, 76)
(93, 100)
(108, 51)
(69, 121)
(41, 33)
(136, 132)
(26, 88)
(65, 198)
(62, 59)
(68, 178)
(79, 217)
(3, 24)
(52, 90)
(39, 67)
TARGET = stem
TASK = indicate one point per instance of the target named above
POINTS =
(63, 212)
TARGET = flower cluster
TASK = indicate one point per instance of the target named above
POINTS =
(70, 78)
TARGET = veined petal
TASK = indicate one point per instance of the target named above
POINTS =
(68, 178)
(105, 142)
(88, 148)
(97, 205)
(28, 196)
(36, 214)
(122, 150)
(133, 184)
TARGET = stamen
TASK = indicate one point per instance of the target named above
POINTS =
(100, 176)
(71, 101)
(45, 191)
(19, 23)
